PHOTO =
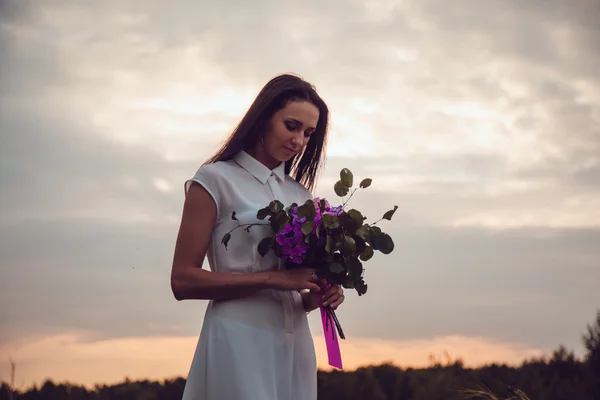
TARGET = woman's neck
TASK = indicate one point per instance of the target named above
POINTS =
(261, 156)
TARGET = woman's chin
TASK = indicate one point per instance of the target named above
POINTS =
(284, 156)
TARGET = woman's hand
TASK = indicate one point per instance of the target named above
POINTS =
(295, 279)
(334, 296)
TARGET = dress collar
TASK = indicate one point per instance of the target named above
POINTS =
(258, 169)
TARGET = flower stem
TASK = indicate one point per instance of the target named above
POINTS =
(351, 194)
(337, 323)
(375, 223)
(248, 225)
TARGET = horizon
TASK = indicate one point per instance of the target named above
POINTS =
(438, 355)
(480, 121)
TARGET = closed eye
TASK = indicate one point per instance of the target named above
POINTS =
(292, 125)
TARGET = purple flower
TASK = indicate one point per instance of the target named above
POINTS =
(291, 240)
(337, 210)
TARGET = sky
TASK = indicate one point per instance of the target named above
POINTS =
(480, 120)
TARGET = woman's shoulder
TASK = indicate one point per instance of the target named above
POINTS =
(211, 176)
(214, 170)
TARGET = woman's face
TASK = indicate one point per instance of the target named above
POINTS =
(289, 131)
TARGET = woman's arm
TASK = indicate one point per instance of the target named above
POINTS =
(310, 301)
(190, 281)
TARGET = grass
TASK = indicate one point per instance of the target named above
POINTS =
(484, 393)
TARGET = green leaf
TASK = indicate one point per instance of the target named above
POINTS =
(263, 213)
(360, 244)
(349, 244)
(323, 205)
(346, 177)
(307, 210)
(388, 215)
(264, 246)
(307, 227)
(328, 244)
(290, 208)
(340, 189)
(361, 288)
(382, 242)
(233, 217)
(365, 183)
(225, 239)
(367, 254)
(376, 239)
(387, 244)
(330, 221)
(357, 216)
(348, 223)
(275, 206)
(355, 267)
(336, 268)
(348, 282)
(363, 232)
(281, 221)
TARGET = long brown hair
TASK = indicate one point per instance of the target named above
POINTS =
(274, 96)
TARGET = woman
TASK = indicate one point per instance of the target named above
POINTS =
(255, 342)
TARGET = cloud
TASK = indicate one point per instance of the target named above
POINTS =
(508, 90)
(471, 190)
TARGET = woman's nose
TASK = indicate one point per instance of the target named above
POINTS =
(296, 141)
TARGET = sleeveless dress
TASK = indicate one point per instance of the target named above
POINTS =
(258, 347)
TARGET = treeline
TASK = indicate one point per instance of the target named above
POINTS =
(561, 376)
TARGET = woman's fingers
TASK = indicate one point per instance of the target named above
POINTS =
(338, 301)
(334, 296)
(312, 280)
(310, 274)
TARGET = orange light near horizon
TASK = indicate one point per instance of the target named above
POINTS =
(67, 358)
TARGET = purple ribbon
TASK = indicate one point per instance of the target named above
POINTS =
(331, 340)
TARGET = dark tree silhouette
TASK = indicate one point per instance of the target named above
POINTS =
(591, 341)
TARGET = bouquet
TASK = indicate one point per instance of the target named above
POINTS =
(331, 239)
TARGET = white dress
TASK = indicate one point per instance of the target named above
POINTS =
(258, 347)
